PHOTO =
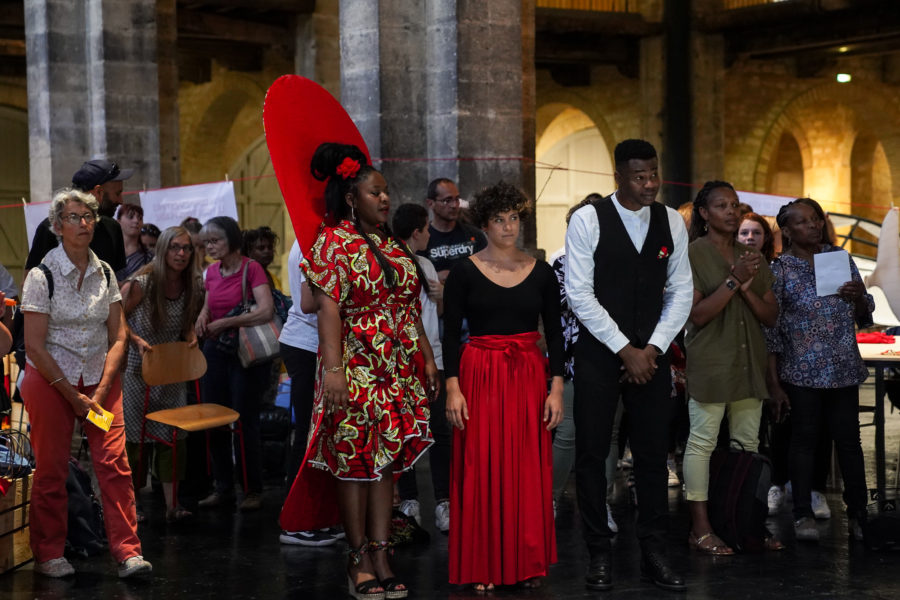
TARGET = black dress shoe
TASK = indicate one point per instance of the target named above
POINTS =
(655, 567)
(599, 573)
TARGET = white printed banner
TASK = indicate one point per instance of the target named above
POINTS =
(170, 206)
(764, 204)
(35, 212)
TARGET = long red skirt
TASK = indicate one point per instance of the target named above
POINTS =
(501, 506)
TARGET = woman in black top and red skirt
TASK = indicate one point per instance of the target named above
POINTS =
(501, 513)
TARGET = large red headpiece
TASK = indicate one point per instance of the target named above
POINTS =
(298, 116)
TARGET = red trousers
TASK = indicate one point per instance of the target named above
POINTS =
(52, 423)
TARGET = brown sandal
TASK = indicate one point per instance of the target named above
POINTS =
(716, 547)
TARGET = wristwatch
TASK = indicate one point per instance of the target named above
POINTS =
(731, 284)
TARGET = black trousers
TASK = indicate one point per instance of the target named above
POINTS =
(839, 408)
(301, 366)
(229, 384)
(438, 454)
(650, 411)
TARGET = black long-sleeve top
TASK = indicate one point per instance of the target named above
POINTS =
(492, 309)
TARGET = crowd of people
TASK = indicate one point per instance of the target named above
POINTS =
(435, 334)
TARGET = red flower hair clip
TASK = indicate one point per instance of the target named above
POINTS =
(663, 253)
(348, 168)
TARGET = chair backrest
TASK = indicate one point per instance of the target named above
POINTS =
(172, 362)
(883, 314)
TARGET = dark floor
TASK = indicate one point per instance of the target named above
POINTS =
(230, 555)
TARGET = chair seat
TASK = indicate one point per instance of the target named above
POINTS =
(196, 417)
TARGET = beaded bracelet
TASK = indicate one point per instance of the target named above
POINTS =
(334, 369)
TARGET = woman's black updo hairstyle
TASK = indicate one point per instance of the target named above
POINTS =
(698, 223)
(326, 160)
(785, 211)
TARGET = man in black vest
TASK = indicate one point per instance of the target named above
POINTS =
(628, 281)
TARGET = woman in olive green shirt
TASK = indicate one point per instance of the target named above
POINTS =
(726, 349)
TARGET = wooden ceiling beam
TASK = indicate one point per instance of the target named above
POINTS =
(202, 25)
(290, 6)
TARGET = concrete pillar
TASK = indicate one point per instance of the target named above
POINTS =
(403, 104)
(167, 68)
(707, 83)
(653, 93)
(441, 98)
(361, 69)
(93, 89)
(496, 96)
(443, 80)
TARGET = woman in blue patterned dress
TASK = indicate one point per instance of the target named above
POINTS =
(814, 364)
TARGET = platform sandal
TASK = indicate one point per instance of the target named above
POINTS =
(363, 589)
(393, 587)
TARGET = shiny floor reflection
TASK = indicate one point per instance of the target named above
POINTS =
(226, 554)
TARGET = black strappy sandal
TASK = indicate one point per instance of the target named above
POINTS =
(394, 589)
(363, 589)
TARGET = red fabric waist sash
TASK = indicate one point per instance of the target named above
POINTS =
(509, 344)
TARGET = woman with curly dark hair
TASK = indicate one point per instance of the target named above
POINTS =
(501, 526)
(370, 415)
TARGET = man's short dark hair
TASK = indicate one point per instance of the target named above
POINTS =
(409, 217)
(432, 187)
(633, 149)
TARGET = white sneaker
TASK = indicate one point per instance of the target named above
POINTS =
(410, 508)
(820, 506)
(609, 520)
(136, 565)
(775, 500)
(55, 567)
(673, 475)
(442, 516)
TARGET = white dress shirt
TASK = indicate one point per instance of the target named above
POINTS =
(582, 237)
(429, 313)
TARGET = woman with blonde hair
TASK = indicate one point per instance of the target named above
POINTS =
(162, 301)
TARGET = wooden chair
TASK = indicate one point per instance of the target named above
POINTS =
(177, 362)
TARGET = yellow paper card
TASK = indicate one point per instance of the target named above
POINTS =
(102, 420)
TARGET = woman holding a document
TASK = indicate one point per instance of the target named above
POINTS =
(814, 366)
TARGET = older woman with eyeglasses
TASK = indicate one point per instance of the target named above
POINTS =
(75, 344)
(226, 382)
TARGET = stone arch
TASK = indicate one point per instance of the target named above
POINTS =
(569, 137)
(558, 101)
(259, 200)
(874, 112)
(219, 120)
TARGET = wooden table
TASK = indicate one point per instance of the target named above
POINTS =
(879, 357)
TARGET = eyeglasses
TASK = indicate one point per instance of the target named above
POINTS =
(75, 219)
(448, 200)
(212, 240)
(112, 172)
(150, 230)
(176, 248)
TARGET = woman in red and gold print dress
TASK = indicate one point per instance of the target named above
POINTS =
(370, 419)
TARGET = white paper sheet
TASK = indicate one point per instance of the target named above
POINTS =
(832, 271)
